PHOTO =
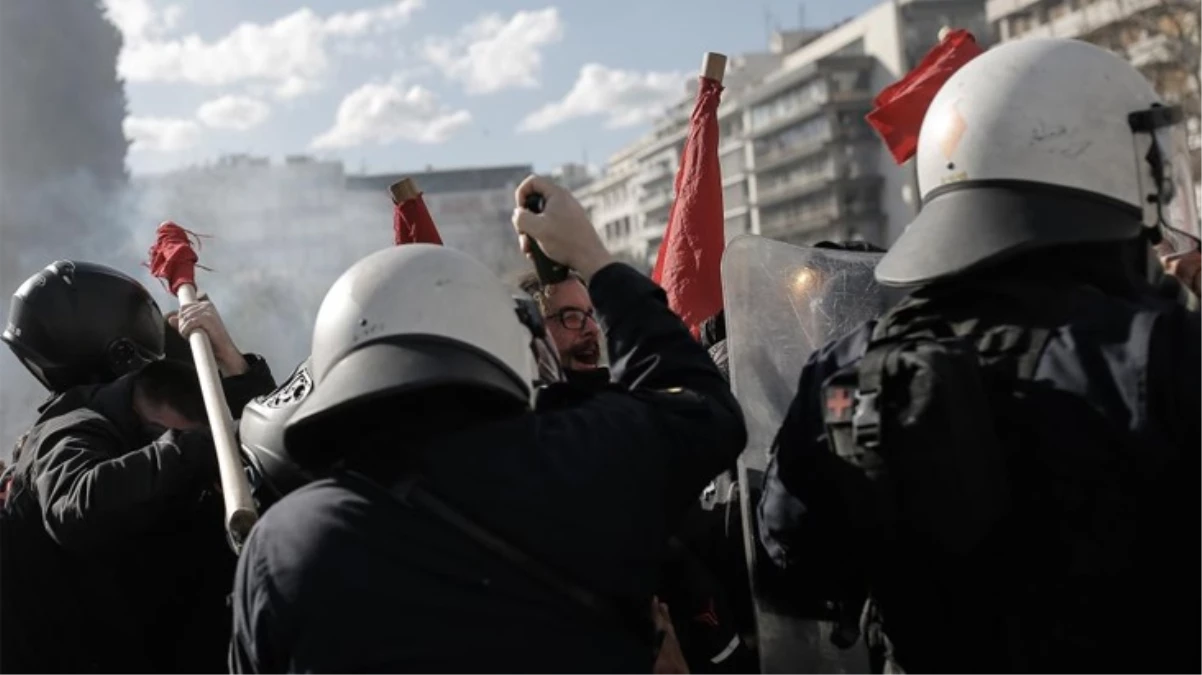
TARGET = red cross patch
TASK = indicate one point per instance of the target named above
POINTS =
(839, 404)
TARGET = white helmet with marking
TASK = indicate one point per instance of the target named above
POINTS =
(1037, 143)
(409, 319)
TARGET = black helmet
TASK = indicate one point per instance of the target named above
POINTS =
(261, 433)
(78, 323)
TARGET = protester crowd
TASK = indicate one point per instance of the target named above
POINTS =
(997, 474)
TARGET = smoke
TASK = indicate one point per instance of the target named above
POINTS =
(274, 239)
(277, 236)
(62, 158)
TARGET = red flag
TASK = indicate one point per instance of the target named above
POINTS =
(411, 221)
(688, 265)
(900, 107)
(172, 258)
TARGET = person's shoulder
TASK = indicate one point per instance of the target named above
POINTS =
(313, 507)
(67, 417)
(305, 530)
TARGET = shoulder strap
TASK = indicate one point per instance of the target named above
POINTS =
(411, 492)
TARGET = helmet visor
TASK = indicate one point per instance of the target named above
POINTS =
(1167, 181)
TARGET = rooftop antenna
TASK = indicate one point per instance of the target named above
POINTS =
(801, 16)
(767, 24)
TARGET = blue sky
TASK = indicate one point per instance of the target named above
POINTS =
(395, 85)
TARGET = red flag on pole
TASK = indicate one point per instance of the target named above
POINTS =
(411, 221)
(689, 260)
(172, 257)
(900, 107)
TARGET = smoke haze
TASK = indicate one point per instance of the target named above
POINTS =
(278, 235)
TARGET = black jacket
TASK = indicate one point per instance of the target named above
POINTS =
(339, 577)
(1104, 518)
(113, 555)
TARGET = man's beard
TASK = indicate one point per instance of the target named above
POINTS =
(585, 354)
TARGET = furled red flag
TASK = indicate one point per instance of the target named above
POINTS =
(172, 257)
(900, 107)
(689, 260)
(411, 221)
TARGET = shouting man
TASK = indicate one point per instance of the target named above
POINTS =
(572, 325)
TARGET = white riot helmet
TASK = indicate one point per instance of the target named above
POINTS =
(1037, 143)
(412, 318)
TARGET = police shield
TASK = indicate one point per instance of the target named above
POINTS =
(782, 303)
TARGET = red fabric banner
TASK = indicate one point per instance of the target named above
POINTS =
(689, 260)
(900, 107)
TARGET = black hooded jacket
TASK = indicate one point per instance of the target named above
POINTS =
(113, 555)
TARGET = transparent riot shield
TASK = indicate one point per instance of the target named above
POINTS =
(782, 303)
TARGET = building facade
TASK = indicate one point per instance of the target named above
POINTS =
(799, 162)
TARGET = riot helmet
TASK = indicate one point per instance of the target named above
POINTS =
(409, 320)
(76, 323)
(261, 434)
(1037, 143)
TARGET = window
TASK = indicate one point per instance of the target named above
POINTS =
(808, 171)
(847, 81)
(732, 163)
(798, 135)
(800, 212)
(734, 196)
(789, 103)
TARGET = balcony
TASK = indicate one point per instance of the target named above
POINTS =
(996, 9)
(800, 112)
(778, 157)
(794, 188)
(655, 200)
(1088, 19)
(1153, 50)
(779, 225)
(656, 171)
(729, 144)
(653, 231)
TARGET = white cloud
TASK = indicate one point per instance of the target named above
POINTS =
(239, 113)
(291, 53)
(624, 97)
(161, 134)
(137, 19)
(491, 54)
(381, 113)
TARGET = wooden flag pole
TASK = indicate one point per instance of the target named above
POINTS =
(403, 190)
(713, 66)
(240, 513)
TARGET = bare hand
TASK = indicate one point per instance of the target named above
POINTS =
(202, 315)
(563, 229)
(670, 660)
(1187, 268)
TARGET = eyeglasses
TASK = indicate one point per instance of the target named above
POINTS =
(572, 318)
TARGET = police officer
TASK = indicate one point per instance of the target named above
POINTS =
(114, 557)
(1007, 463)
(461, 529)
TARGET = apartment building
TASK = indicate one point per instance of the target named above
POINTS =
(1160, 37)
(799, 163)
